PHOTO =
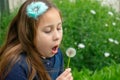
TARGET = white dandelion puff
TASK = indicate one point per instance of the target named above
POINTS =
(110, 13)
(106, 54)
(110, 40)
(113, 23)
(116, 42)
(81, 45)
(93, 12)
(71, 52)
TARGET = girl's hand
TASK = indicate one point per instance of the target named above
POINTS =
(66, 75)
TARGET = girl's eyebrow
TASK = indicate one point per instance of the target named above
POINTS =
(52, 25)
(59, 23)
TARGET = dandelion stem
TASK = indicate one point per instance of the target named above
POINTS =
(68, 62)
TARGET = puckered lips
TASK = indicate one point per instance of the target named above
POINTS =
(55, 49)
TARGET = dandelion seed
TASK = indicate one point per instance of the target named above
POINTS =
(110, 40)
(81, 45)
(93, 12)
(106, 54)
(113, 23)
(116, 42)
(110, 13)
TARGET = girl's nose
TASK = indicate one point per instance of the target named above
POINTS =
(56, 35)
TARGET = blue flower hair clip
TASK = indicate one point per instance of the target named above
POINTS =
(36, 9)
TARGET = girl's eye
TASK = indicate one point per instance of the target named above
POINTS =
(59, 27)
(48, 30)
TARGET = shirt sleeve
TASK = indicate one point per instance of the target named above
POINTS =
(19, 71)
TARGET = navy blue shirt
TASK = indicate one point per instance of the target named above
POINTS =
(54, 66)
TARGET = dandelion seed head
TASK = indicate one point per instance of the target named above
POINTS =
(113, 23)
(110, 13)
(93, 12)
(116, 42)
(71, 52)
(106, 54)
(81, 45)
(110, 40)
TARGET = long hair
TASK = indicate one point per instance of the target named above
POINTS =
(20, 38)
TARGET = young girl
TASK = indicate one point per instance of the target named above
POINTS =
(31, 50)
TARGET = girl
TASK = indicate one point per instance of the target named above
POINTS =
(31, 50)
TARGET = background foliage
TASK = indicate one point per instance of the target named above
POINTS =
(106, 73)
(5, 20)
(97, 28)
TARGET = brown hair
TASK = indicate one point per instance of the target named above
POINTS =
(20, 38)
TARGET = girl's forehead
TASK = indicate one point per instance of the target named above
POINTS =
(52, 16)
(51, 13)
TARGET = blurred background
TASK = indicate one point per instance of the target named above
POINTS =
(92, 27)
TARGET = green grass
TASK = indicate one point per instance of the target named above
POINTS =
(81, 26)
(5, 20)
(106, 73)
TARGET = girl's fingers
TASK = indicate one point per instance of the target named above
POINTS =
(66, 75)
(66, 72)
(69, 76)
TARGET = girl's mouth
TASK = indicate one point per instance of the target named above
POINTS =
(54, 49)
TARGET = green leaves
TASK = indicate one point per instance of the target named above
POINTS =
(87, 22)
(107, 73)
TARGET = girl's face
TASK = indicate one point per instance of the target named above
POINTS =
(49, 33)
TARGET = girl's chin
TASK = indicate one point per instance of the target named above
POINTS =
(54, 52)
(47, 56)
(51, 54)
